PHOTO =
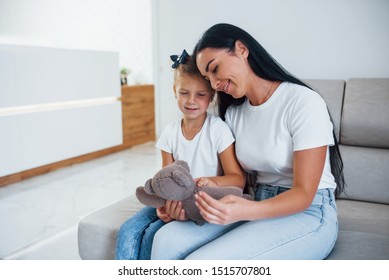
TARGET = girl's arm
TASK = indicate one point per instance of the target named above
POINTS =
(233, 173)
(308, 167)
(167, 158)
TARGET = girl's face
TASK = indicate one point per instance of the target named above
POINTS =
(193, 95)
(227, 72)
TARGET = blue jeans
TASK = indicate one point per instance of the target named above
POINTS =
(310, 234)
(135, 236)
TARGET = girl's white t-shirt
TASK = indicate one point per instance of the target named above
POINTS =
(201, 153)
(294, 118)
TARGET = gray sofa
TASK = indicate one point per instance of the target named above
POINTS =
(360, 111)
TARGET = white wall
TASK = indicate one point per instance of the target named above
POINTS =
(122, 26)
(78, 48)
(332, 39)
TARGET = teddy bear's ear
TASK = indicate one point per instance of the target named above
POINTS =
(183, 164)
(183, 179)
(152, 200)
(148, 187)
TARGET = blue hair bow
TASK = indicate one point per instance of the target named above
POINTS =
(177, 60)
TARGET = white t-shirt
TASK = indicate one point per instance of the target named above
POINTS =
(201, 153)
(293, 118)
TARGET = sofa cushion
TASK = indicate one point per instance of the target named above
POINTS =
(332, 92)
(365, 113)
(97, 231)
(366, 173)
(363, 231)
(352, 245)
(359, 216)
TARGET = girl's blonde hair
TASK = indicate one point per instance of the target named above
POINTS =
(190, 68)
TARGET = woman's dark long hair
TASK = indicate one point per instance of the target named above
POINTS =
(224, 36)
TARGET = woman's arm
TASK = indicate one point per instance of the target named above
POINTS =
(308, 167)
(233, 173)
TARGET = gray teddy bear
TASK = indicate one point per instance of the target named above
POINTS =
(174, 182)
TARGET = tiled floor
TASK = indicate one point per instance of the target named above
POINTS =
(39, 216)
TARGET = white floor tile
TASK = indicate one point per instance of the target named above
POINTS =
(60, 246)
(39, 216)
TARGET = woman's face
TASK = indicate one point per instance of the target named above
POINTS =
(226, 71)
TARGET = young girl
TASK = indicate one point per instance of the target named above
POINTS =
(202, 140)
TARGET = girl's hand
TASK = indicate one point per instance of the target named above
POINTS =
(161, 213)
(174, 210)
(227, 210)
(203, 181)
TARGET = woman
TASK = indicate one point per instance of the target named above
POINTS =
(284, 135)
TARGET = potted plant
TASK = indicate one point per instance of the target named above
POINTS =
(124, 72)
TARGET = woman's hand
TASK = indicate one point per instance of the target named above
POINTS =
(171, 211)
(227, 210)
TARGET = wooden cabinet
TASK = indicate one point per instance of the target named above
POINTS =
(138, 113)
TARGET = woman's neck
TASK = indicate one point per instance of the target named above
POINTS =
(261, 90)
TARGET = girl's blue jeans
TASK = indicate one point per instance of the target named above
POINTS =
(306, 235)
(135, 236)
